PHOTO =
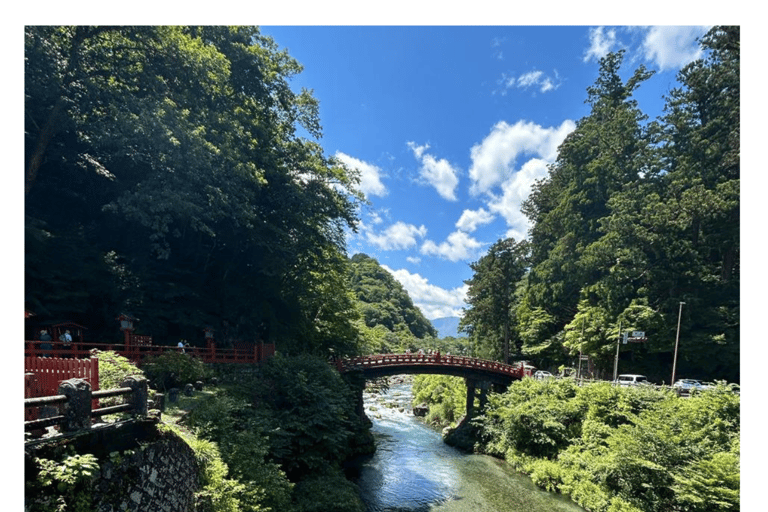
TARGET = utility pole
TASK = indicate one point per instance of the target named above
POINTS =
(581, 343)
(616, 361)
(677, 343)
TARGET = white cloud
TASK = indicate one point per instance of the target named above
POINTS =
(471, 219)
(536, 79)
(370, 175)
(459, 246)
(413, 259)
(494, 158)
(397, 236)
(438, 173)
(433, 301)
(672, 47)
(601, 41)
(513, 193)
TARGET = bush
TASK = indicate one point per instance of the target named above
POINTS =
(63, 485)
(173, 369)
(328, 491)
(445, 395)
(114, 369)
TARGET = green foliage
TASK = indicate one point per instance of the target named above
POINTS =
(492, 296)
(309, 412)
(445, 395)
(620, 449)
(633, 218)
(218, 493)
(536, 418)
(283, 434)
(328, 490)
(70, 479)
(240, 435)
(168, 169)
(391, 322)
(114, 369)
(174, 369)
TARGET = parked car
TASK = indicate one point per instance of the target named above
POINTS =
(688, 385)
(630, 379)
(541, 374)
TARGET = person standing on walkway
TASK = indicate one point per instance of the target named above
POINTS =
(45, 346)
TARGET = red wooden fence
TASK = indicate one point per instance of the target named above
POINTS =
(49, 372)
(42, 376)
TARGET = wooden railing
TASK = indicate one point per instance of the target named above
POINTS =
(244, 354)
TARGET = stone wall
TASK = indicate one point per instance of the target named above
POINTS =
(141, 468)
(161, 477)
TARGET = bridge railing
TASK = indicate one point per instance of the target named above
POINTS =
(379, 360)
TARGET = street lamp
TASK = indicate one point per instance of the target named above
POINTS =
(677, 343)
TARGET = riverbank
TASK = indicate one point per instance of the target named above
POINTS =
(610, 449)
(414, 470)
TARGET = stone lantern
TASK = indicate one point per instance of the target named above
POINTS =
(126, 325)
(209, 341)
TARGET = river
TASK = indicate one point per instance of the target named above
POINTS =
(414, 471)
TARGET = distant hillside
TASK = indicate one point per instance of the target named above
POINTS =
(384, 301)
(448, 326)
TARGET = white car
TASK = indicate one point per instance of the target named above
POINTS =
(541, 374)
(630, 379)
(688, 385)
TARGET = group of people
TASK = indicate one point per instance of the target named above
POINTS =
(46, 339)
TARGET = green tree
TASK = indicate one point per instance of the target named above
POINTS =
(605, 154)
(491, 297)
(169, 168)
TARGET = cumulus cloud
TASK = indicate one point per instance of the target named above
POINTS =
(438, 173)
(397, 236)
(457, 247)
(494, 158)
(433, 301)
(665, 47)
(471, 219)
(672, 47)
(370, 175)
(507, 203)
(601, 42)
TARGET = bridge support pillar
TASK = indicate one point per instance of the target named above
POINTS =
(476, 389)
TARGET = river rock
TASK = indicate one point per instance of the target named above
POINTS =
(420, 410)
(463, 436)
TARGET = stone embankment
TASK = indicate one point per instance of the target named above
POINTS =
(141, 468)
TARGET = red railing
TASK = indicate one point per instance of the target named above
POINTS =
(42, 376)
(391, 360)
(249, 353)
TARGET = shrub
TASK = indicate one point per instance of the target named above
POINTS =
(65, 485)
(114, 369)
(328, 491)
(173, 369)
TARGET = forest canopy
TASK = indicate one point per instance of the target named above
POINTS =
(166, 176)
(635, 228)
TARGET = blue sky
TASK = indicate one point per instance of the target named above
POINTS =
(449, 127)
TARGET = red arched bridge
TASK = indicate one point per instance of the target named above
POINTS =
(382, 365)
(479, 374)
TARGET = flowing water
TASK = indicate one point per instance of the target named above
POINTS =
(414, 471)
